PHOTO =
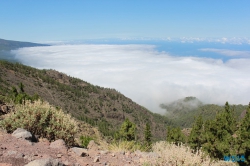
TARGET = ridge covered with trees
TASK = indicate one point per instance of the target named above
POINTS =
(102, 107)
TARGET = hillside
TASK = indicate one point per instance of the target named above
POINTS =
(102, 107)
(183, 111)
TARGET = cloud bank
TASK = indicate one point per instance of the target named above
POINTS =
(227, 52)
(145, 75)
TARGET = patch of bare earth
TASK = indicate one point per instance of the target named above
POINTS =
(19, 152)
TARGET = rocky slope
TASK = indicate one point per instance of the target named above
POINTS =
(18, 149)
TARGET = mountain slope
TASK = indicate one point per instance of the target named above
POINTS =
(102, 107)
(11, 45)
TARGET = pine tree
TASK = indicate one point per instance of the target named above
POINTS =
(14, 93)
(219, 140)
(147, 135)
(21, 86)
(127, 130)
(195, 139)
(243, 136)
(175, 135)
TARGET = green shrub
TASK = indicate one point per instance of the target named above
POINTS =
(41, 119)
(85, 141)
(127, 130)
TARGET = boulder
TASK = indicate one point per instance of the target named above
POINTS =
(22, 134)
(80, 151)
(45, 162)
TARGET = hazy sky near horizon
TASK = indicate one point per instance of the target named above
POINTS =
(46, 20)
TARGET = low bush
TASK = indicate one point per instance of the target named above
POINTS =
(118, 146)
(172, 154)
(42, 119)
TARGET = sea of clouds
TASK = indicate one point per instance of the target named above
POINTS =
(147, 76)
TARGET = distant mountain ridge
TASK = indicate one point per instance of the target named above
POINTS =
(186, 104)
(8, 45)
(183, 111)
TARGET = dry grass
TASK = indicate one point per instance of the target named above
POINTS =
(125, 146)
(181, 156)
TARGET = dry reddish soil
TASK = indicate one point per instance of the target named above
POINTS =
(18, 152)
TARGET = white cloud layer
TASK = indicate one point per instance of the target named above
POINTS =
(223, 40)
(227, 52)
(146, 76)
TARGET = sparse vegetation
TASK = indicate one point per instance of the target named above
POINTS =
(102, 107)
(123, 145)
(20, 97)
(41, 119)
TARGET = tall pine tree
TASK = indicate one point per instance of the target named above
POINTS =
(243, 136)
(147, 135)
(175, 135)
(127, 130)
(219, 140)
(195, 139)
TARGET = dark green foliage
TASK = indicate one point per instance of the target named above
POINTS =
(195, 139)
(127, 131)
(104, 127)
(21, 86)
(243, 136)
(85, 140)
(175, 135)
(219, 140)
(21, 97)
(147, 135)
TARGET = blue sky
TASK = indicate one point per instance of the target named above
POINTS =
(45, 20)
